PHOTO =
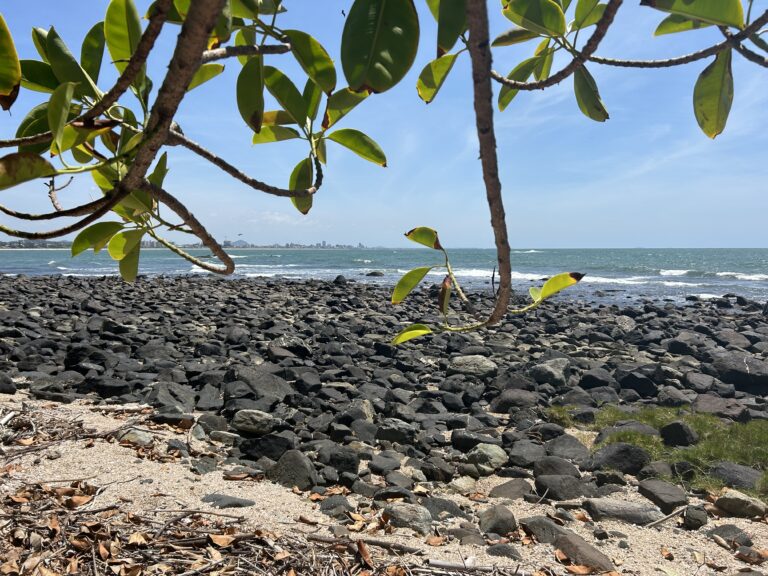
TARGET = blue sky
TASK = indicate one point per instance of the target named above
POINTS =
(647, 177)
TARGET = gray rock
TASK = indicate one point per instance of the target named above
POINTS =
(487, 457)
(723, 407)
(678, 433)
(525, 452)
(567, 447)
(666, 496)
(621, 456)
(513, 399)
(694, 517)
(411, 516)
(441, 508)
(136, 437)
(560, 487)
(497, 520)
(737, 504)
(294, 469)
(543, 529)
(580, 552)
(514, 489)
(732, 534)
(473, 365)
(632, 512)
(224, 501)
(745, 371)
(554, 466)
(504, 551)
(554, 371)
(736, 475)
(254, 422)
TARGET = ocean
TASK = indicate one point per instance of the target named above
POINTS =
(612, 275)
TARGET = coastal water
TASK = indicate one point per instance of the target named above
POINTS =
(611, 275)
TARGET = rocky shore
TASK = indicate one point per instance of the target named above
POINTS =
(296, 382)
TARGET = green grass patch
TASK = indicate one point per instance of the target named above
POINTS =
(745, 444)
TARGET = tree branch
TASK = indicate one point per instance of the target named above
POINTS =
(138, 58)
(579, 58)
(480, 52)
(230, 51)
(178, 138)
(744, 51)
(197, 229)
(81, 210)
(733, 40)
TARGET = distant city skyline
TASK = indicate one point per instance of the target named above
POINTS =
(646, 177)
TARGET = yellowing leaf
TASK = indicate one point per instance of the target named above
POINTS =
(408, 282)
(411, 332)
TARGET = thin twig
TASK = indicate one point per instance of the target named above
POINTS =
(178, 138)
(734, 40)
(667, 517)
(81, 210)
(230, 51)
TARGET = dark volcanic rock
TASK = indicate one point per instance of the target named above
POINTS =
(621, 456)
(745, 371)
(678, 433)
(736, 475)
(497, 520)
(665, 495)
(294, 469)
(580, 552)
(224, 501)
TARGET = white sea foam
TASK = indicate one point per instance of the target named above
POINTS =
(742, 276)
(362, 260)
(52, 262)
(527, 251)
(235, 257)
(633, 280)
(673, 272)
(707, 296)
(681, 284)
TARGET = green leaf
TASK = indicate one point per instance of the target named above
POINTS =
(444, 296)
(95, 236)
(67, 69)
(424, 236)
(58, 111)
(514, 35)
(379, 43)
(535, 293)
(301, 179)
(590, 18)
(275, 133)
(250, 93)
(38, 76)
(40, 40)
(557, 283)
(713, 95)
(451, 22)
(312, 95)
(433, 76)
(92, 51)
(245, 37)
(339, 104)
(10, 68)
(313, 58)
(21, 167)
(587, 96)
(360, 144)
(205, 73)
(161, 169)
(520, 73)
(434, 8)
(129, 264)
(277, 117)
(320, 149)
(122, 243)
(676, 23)
(35, 122)
(541, 16)
(546, 55)
(286, 93)
(413, 331)
(122, 31)
(719, 12)
(583, 9)
(408, 282)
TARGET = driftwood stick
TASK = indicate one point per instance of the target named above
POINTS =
(667, 517)
(378, 543)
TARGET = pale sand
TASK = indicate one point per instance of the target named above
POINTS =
(174, 486)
